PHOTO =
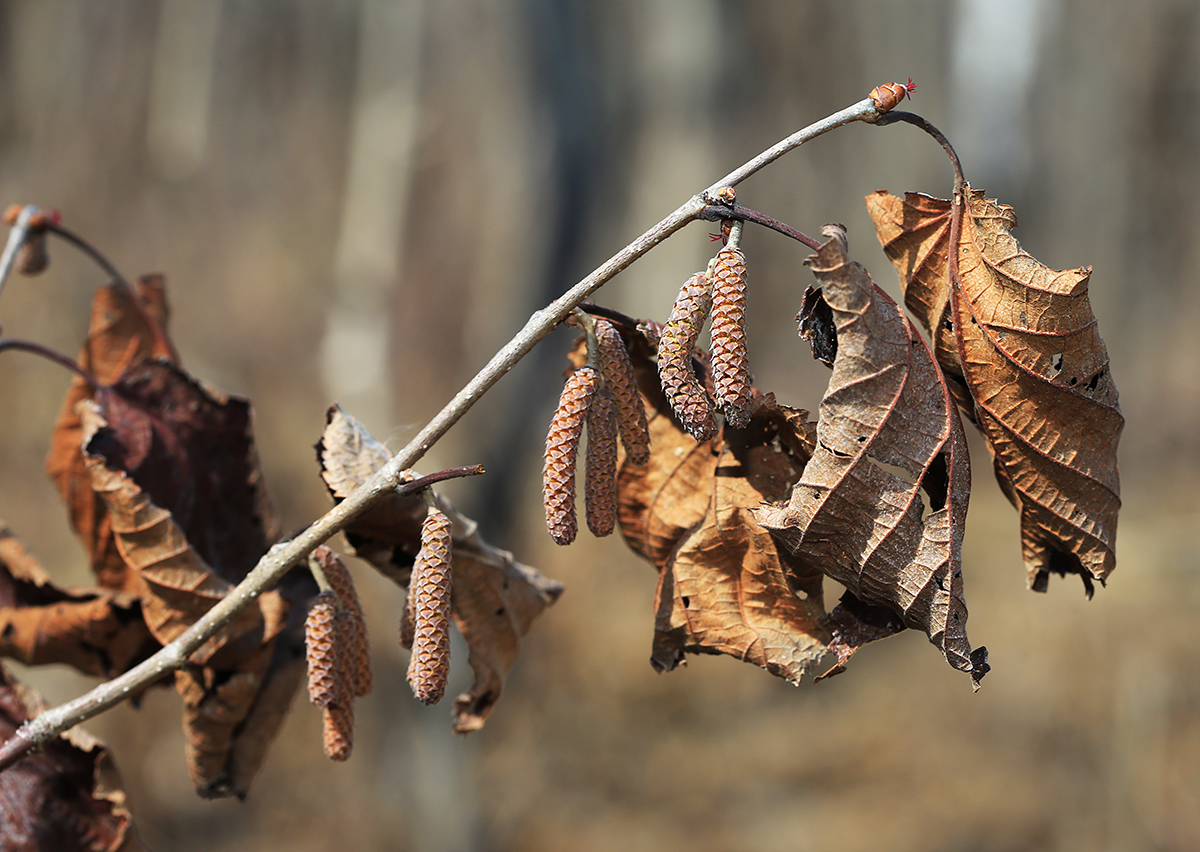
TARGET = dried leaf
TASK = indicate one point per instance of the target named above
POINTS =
(727, 588)
(495, 599)
(1035, 372)
(66, 798)
(126, 328)
(97, 631)
(887, 430)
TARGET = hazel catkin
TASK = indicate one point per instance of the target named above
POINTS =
(429, 590)
(687, 395)
(562, 451)
(326, 676)
(352, 627)
(731, 374)
(616, 371)
(600, 467)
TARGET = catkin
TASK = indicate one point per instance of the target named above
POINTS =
(429, 665)
(600, 473)
(326, 678)
(562, 450)
(688, 398)
(617, 372)
(731, 374)
(352, 627)
(338, 730)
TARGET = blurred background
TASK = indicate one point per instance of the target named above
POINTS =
(362, 200)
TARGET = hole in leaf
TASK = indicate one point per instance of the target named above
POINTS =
(862, 438)
(1056, 361)
(500, 611)
(1024, 321)
(895, 470)
(947, 324)
(1095, 382)
(686, 601)
(1072, 381)
(936, 482)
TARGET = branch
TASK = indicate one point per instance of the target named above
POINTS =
(16, 239)
(280, 558)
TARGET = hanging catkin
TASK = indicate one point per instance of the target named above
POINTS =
(731, 374)
(352, 627)
(600, 474)
(326, 675)
(429, 665)
(688, 398)
(616, 370)
(562, 450)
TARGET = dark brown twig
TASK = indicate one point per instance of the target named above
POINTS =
(51, 355)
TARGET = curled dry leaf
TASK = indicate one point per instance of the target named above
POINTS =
(887, 431)
(97, 631)
(174, 465)
(184, 504)
(495, 599)
(127, 327)
(1022, 342)
(724, 587)
(67, 797)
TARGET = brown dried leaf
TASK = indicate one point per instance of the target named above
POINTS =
(727, 588)
(68, 797)
(887, 430)
(97, 631)
(495, 599)
(1035, 372)
(126, 328)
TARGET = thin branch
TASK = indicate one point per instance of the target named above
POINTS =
(51, 355)
(717, 212)
(160, 336)
(16, 239)
(283, 556)
(420, 484)
(924, 124)
(91, 251)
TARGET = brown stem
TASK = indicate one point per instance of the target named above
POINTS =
(417, 485)
(160, 335)
(924, 124)
(51, 355)
(280, 558)
(717, 212)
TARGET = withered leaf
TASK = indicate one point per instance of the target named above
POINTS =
(727, 588)
(724, 587)
(494, 598)
(68, 797)
(887, 430)
(175, 468)
(126, 328)
(97, 631)
(1024, 340)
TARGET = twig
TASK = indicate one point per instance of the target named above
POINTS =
(16, 239)
(160, 336)
(717, 212)
(924, 124)
(50, 354)
(283, 556)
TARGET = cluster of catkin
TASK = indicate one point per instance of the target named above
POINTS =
(603, 393)
(719, 292)
(425, 627)
(339, 661)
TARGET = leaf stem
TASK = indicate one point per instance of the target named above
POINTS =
(282, 557)
(716, 212)
(924, 124)
(51, 355)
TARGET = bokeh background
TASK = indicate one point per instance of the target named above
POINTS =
(361, 200)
